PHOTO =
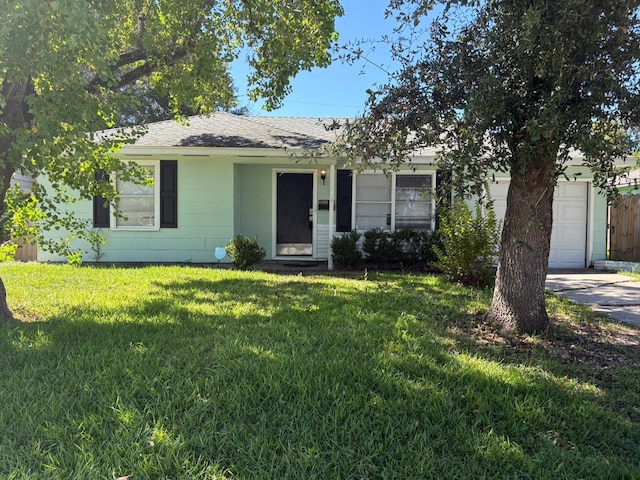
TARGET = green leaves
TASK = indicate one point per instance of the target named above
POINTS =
(469, 244)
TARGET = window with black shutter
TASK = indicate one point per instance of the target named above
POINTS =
(443, 193)
(101, 217)
(168, 198)
(168, 194)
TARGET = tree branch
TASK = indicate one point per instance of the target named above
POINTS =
(129, 58)
(138, 72)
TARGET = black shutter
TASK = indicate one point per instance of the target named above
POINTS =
(168, 194)
(344, 197)
(443, 193)
(101, 217)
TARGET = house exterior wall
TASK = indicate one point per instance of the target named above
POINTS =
(253, 203)
(222, 195)
(599, 228)
(25, 181)
(217, 199)
(205, 220)
(629, 190)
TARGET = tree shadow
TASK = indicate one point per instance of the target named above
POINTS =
(268, 141)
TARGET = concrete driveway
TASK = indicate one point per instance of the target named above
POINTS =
(610, 293)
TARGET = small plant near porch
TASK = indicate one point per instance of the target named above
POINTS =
(245, 251)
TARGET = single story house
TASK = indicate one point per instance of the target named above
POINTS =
(227, 174)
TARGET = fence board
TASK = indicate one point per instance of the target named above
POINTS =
(26, 252)
(624, 229)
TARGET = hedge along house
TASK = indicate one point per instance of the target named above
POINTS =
(225, 175)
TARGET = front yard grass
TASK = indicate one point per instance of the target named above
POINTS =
(634, 274)
(195, 373)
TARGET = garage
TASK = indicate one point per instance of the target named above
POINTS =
(570, 221)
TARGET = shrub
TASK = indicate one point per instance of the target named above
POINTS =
(469, 244)
(345, 251)
(379, 247)
(415, 248)
(245, 251)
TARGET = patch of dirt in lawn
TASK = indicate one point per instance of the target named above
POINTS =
(597, 345)
(25, 315)
(601, 353)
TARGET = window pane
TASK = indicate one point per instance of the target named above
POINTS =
(373, 188)
(413, 181)
(372, 215)
(139, 212)
(136, 203)
(413, 201)
(413, 215)
(129, 188)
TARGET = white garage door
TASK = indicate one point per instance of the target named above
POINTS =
(569, 234)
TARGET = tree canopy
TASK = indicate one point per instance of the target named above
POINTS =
(69, 68)
(512, 87)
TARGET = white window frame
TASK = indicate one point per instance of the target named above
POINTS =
(392, 201)
(156, 200)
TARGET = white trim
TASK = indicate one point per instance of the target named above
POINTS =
(591, 193)
(333, 179)
(156, 200)
(274, 212)
(392, 223)
(314, 219)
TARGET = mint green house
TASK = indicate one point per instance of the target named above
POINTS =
(226, 175)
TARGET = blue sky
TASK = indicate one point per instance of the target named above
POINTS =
(340, 89)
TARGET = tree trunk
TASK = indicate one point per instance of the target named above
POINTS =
(518, 298)
(5, 314)
(14, 115)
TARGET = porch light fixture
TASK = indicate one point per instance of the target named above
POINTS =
(323, 175)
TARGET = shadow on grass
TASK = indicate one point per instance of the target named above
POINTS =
(296, 377)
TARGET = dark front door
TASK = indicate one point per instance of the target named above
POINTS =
(294, 215)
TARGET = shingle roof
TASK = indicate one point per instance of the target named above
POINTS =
(228, 130)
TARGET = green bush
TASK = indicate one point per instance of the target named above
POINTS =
(345, 251)
(379, 247)
(245, 251)
(409, 248)
(415, 248)
(469, 244)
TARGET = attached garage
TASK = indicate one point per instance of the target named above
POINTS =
(569, 237)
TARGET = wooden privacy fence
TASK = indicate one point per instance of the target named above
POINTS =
(624, 229)
(26, 252)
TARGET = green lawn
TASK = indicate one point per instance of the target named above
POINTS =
(631, 274)
(177, 372)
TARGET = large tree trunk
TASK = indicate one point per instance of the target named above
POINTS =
(5, 314)
(518, 298)
(15, 115)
